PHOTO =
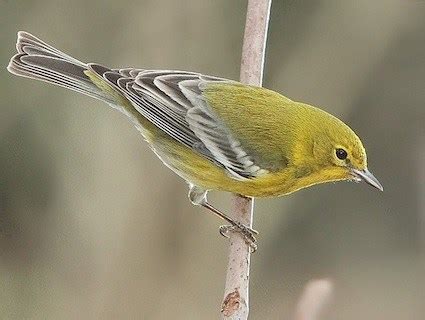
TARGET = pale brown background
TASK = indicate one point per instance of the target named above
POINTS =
(93, 226)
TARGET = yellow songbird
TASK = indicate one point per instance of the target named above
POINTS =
(215, 133)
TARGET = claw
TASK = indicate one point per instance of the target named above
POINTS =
(224, 230)
(246, 232)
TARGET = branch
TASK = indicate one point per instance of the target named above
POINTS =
(236, 304)
(254, 43)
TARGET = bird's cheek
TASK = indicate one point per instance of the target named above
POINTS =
(347, 174)
(335, 173)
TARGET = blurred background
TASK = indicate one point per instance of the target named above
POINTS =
(93, 226)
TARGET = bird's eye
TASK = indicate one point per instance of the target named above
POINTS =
(341, 154)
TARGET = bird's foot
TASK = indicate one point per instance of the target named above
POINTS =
(247, 233)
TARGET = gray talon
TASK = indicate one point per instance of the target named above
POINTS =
(246, 232)
(224, 230)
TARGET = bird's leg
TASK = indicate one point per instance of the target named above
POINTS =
(247, 232)
(198, 197)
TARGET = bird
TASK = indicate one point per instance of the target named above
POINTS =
(215, 133)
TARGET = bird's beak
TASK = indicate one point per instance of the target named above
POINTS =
(366, 176)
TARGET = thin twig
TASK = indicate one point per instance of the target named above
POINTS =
(236, 304)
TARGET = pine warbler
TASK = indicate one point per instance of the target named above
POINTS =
(216, 134)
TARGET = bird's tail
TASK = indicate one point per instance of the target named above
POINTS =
(38, 60)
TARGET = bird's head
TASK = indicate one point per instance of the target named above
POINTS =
(340, 152)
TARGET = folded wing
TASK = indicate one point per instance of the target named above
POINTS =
(173, 102)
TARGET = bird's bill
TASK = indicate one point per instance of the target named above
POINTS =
(366, 176)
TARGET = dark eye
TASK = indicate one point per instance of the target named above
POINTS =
(341, 154)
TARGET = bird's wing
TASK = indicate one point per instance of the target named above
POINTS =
(173, 102)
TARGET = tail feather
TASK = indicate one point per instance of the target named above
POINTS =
(27, 43)
(38, 60)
